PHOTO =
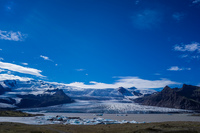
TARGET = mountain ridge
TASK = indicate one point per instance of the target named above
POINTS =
(187, 97)
(19, 92)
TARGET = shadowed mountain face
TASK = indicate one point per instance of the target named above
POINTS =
(187, 97)
(124, 91)
(52, 98)
(129, 92)
(3, 89)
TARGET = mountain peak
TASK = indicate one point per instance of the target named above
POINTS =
(166, 89)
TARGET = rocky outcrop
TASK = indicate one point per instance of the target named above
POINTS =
(187, 97)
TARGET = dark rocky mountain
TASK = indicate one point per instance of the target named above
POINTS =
(124, 91)
(48, 98)
(129, 92)
(137, 93)
(16, 93)
(187, 97)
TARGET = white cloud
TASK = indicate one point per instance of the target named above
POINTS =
(20, 69)
(178, 16)
(126, 82)
(1, 58)
(196, 1)
(80, 69)
(8, 72)
(1, 49)
(1, 70)
(12, 36)
(176, 68)
(147, 19)
(45, 57)
(25, 64)
(188, 47)
(13, 77)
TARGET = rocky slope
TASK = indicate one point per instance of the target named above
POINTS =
(187, 97)
(49, 98)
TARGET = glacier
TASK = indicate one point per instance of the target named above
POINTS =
(89, 100)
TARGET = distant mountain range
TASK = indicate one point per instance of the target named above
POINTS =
(187, 97)
(37, 93)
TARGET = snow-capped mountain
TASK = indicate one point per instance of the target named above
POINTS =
(16, 90)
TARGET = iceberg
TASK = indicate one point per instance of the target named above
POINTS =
(40, 120)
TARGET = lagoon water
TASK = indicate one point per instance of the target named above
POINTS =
(139, 118)
(136, 117)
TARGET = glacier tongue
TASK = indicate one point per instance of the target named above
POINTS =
(108, 106)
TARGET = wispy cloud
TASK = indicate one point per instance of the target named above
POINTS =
(176, 68)
(178, 16)
(190, 51)
(9, 72)
(188, 47)
(1, 58)
(25, 64)
(12, 77)
(196, 1)
(147, 19)
(195, 57)
(184, 56)
(12, 36)
(1, 49)
(126, 82)
(45, 58)
(80, 69)
(20, 69)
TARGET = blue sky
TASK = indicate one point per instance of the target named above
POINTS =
(101, 43)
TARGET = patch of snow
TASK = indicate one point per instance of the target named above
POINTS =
(18, 100)
(3, 84)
